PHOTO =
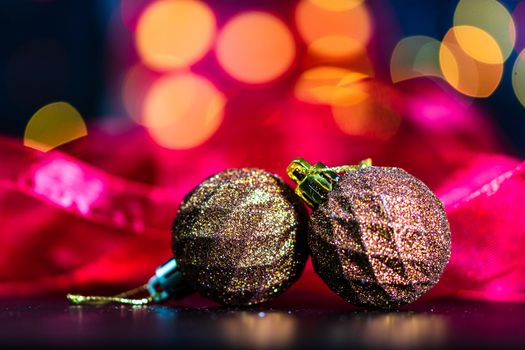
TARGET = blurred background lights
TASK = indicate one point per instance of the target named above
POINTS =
(478, 44)
(174, 33)
(518, 77)
(490, 16)
(357, 103)
(53, 125)
(337, 5)
(462, 69)
(415, 56)
(136, 84)
(255, 47)
(368, 116)
(182, 111)
(322, 85)
(333, 30)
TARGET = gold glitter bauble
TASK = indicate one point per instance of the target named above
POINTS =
(381, 238)
(240, 237)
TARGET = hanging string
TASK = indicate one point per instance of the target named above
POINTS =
(122, 298)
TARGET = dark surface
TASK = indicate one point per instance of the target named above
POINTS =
(55, 323)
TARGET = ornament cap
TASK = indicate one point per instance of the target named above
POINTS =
(167, 282)
(314, 182)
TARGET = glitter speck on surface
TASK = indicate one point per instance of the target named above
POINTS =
(240, 237)
(381, 239)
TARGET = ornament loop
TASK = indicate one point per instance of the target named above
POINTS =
(314, 182)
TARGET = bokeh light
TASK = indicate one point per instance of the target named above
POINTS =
(359, 105)
(370, 116)
(136, 84)
(174, 33)
(462, 70)
(255, 47)
(415, 56)
(182, 111)
(337, 5)
(53, 125)
(478, 44)
(490, 16)
(518, 77)
(333, 30)
(330, 85)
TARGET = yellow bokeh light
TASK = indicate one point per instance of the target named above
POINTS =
(182, 111)
(174, 33)
(478, 44)
(255, 47)
(462, 71)
(413, 57)
(332, 30)
(335, 46)
(491, 17)
(518, 77)
(330, 85)
(53, 125)
(337, 5)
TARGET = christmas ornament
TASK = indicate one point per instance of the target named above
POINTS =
(378, 236)
(239, 238)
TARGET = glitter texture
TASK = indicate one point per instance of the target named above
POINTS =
(381, 239)
(240, 237)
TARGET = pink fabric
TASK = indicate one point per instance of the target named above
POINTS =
(95, 216)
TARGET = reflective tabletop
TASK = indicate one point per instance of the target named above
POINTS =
(55, 323)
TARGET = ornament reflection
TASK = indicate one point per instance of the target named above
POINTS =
(271, 329)
(392, 330)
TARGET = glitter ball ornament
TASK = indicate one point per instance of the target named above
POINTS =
(378, 236)
(240, 237)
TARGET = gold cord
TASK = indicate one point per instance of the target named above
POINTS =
(121, 298)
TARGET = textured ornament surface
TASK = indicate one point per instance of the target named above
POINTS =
(240, 237)
(381, 239)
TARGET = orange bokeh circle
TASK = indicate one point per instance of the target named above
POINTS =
(465, 68)
(330, 85)
(174, 33)
(182, 111)
(255, 47)
(331, 31)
